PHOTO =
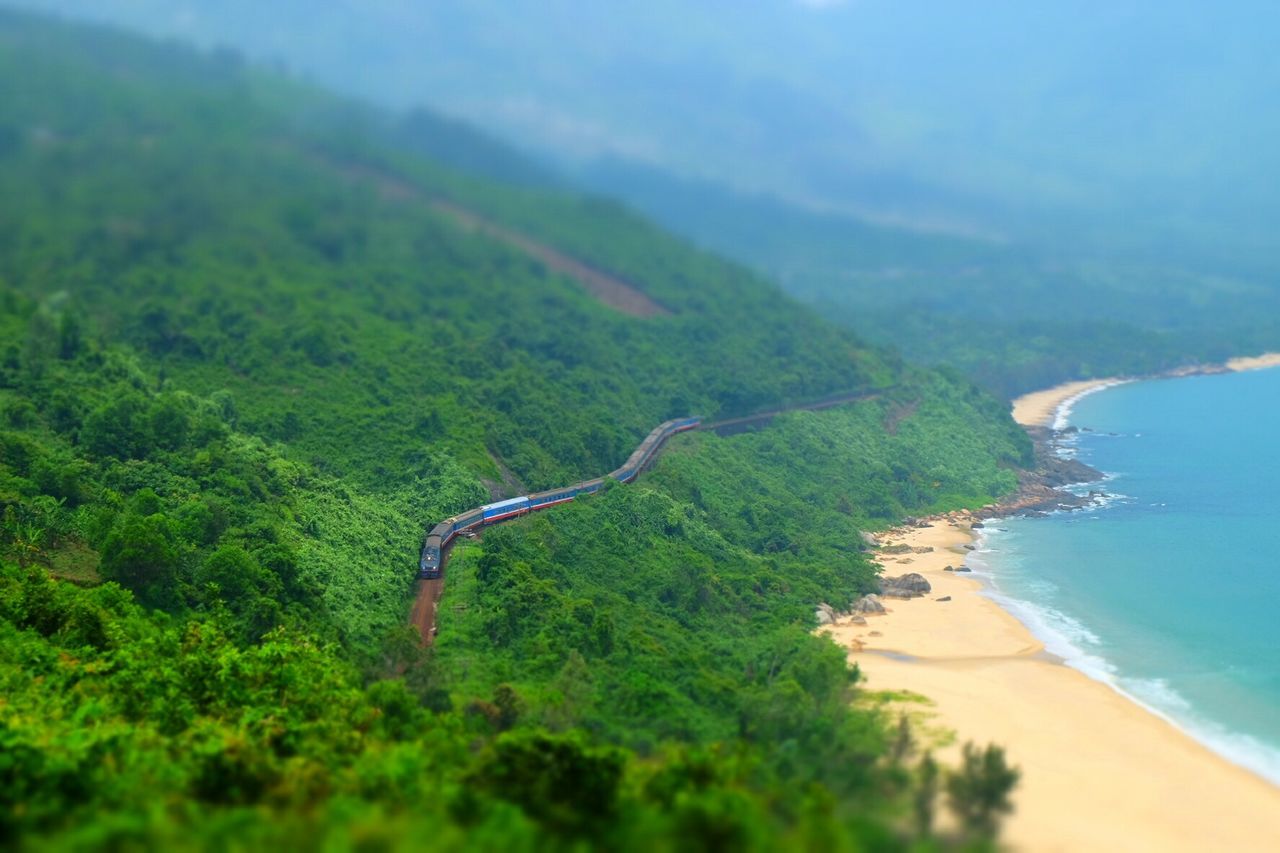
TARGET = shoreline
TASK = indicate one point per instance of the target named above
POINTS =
(1044, 408)
(1100, 768)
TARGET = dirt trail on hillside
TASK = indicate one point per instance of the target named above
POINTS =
(606, 288)
(423, 615)
(610, 290)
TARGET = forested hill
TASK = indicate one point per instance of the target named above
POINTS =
(252, 342)
(253, 248)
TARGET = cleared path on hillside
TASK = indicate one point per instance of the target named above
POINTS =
(606, 288)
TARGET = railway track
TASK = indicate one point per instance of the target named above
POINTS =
(431, 588)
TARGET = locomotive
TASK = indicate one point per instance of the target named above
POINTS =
(439, 537)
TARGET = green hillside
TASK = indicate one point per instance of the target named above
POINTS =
(253, 342)
(1014, 315)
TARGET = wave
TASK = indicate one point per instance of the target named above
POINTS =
(1064, 636)
(1243, 750)
(1072, 641)
(1062, 414)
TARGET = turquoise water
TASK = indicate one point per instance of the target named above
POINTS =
(1171, 590)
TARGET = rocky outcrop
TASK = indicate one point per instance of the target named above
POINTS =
(826, 614)
(868, 604)
(1041, 490)
(944, 598)
(907, 586)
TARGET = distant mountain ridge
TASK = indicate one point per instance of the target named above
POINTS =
(1118, 159)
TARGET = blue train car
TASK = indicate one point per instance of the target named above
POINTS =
(505, 509)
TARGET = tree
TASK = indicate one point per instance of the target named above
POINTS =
(568, 787)
(926, 794)
(168, 423)
(509, 704)
(574, 686)
(399, 717)
(253, 593)
(70, 337)
(116, 428)
(140, 554)
(237, 575)
(979, 791)
(26, 534)
(904, 742)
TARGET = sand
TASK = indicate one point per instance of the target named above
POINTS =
(1254, 362)
(1040, 407)
(1099, 771)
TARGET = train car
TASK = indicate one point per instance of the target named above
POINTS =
(432, 559)
(590, 486)
(644, 453)
(542, 500)
(467, 520)
(505, 509)
(429, 562)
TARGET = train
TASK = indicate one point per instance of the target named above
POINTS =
(438, 537)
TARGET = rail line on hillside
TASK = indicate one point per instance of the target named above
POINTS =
(440, 538)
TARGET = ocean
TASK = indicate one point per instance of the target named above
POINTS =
(1169, 591)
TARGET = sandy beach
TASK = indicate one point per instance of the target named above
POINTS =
(1255, 362)
(1040, 407)
(1100, 772)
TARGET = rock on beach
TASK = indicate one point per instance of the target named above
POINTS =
(907, 586)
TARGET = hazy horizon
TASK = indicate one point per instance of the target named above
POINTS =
(986, 117)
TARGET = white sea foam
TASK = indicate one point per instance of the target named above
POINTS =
(1158, 697)
(1062, 635)
(1062, 415)
(1080, 648)
(1110, 499)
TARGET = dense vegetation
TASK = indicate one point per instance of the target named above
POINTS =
(243, 362)
(1013, 316)
(690, 620)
